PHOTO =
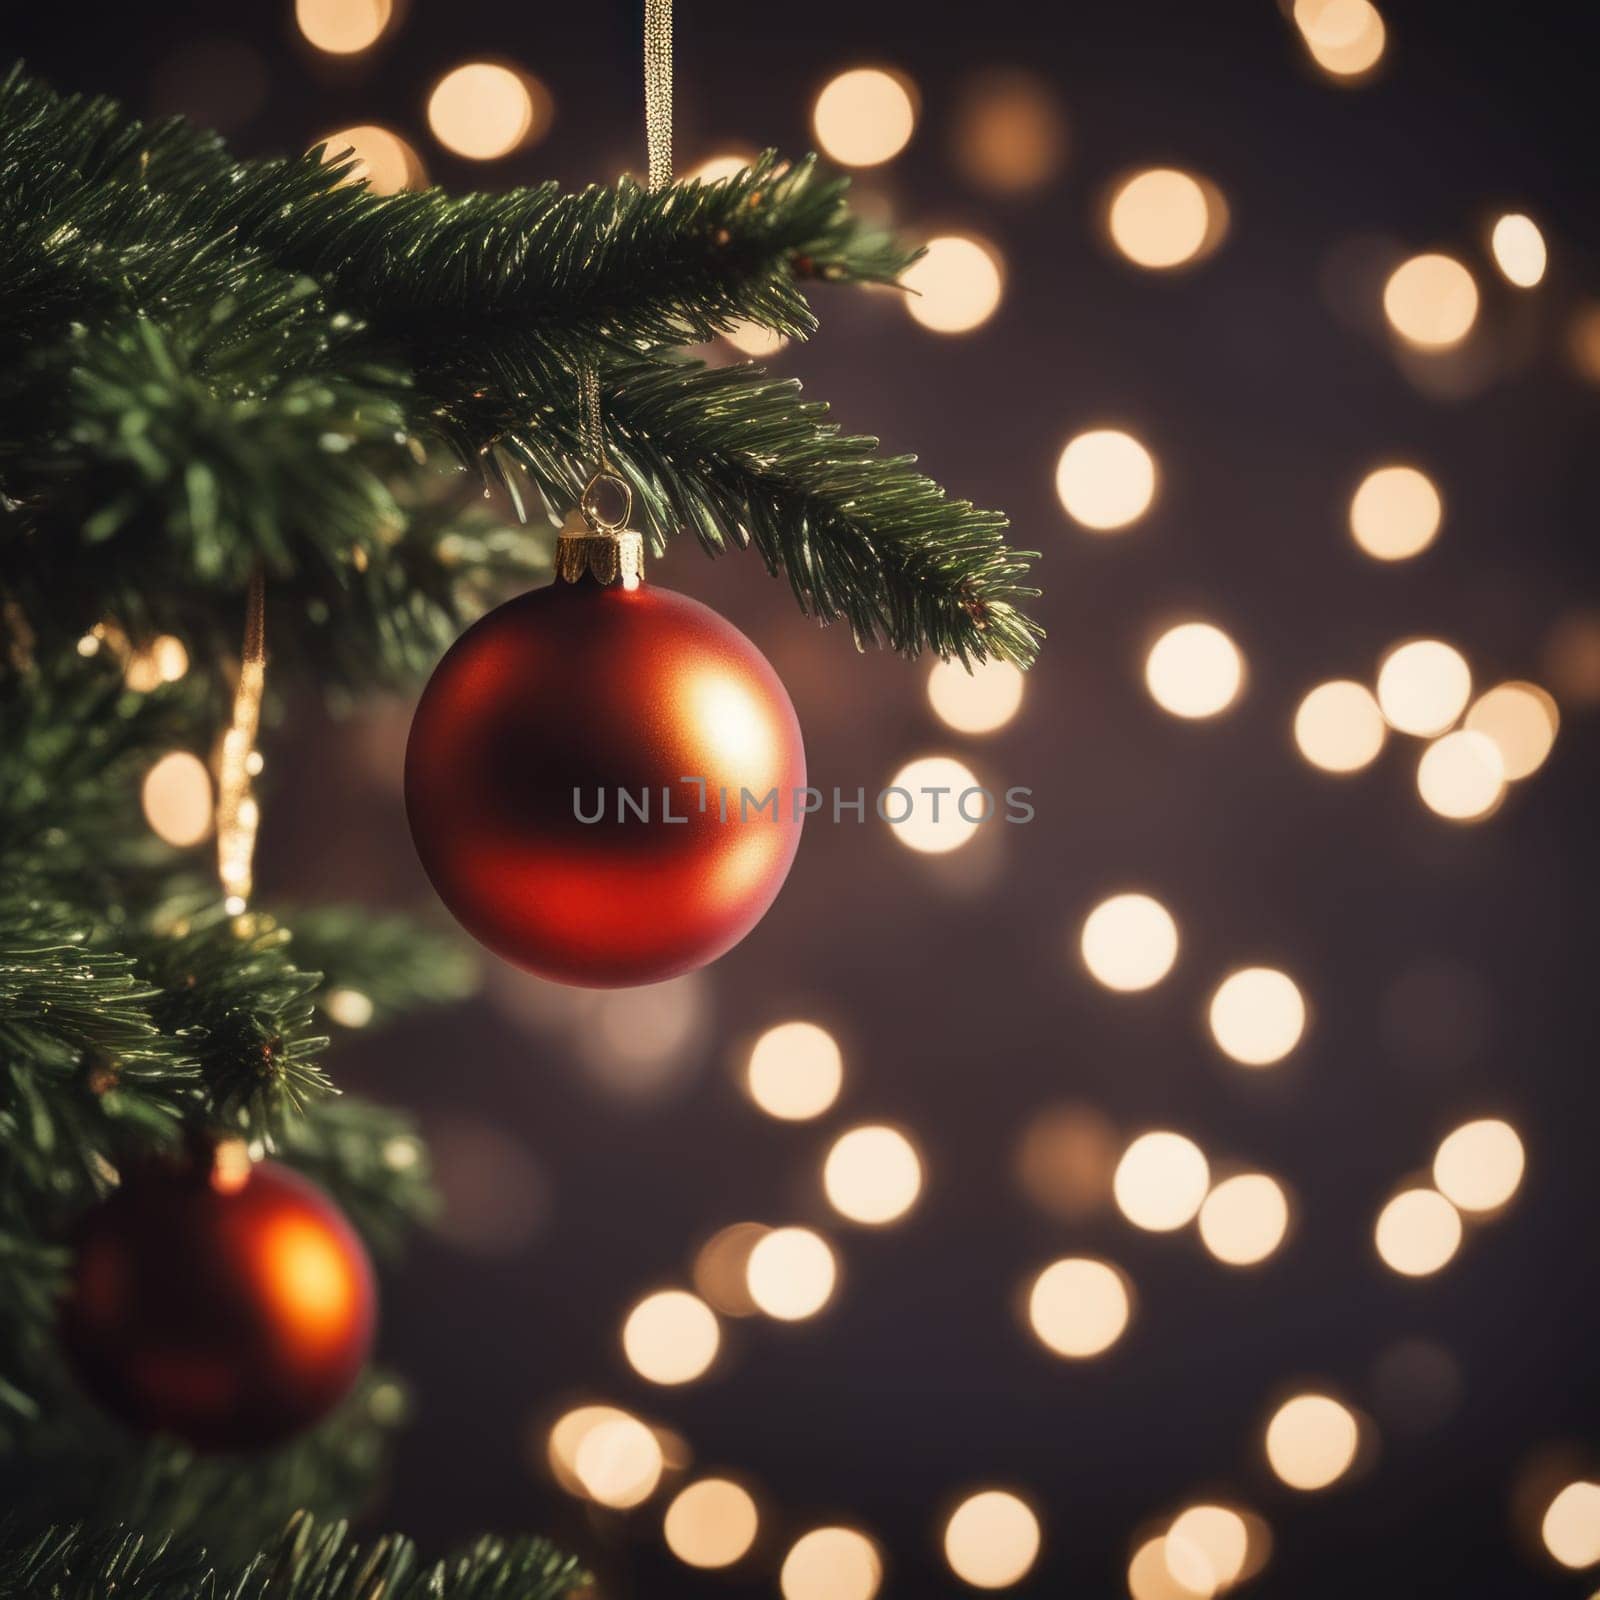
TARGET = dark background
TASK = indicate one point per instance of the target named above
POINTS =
(1450, 969)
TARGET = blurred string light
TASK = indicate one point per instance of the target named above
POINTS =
(791, 1273)
(1244, 1218)
(1571, 656)
(1257, 1016)
(1311, 1441)
(1206, 1548)
(831, 1564)
(1583, 342)
(379, 157)
(671, 1337)
(1008, 135)
(714, 169)
(1522, 719)
(978, 699)
(1395, 513)
(956, 285)
(483, 110)
(992, 1539)
(1570, 1527)
(1079, 1307)
(1339, 727)
(1417, 1233)
(1423, 686)
(1065, 1160)
(178, 800)
(755, 340)
(1161, 1181)
(1344, 37)
(640, 1044)
(619, 1462)
(872, 1175)
(342, 27)
(163, 660)
(1105, 479)
(1150, 1577)
(722, 1267)
(496, 1197)
(865, 116)
(1129, 942)
(1431, 301)
(1478, 1166)
(1194, 670)
(795, 1071)
(1162, 218)
(927, 820)
(350, 1008)
(711, 1523)
(1461, 776)
(1519, 249)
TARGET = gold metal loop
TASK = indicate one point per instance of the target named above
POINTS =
(590, 506)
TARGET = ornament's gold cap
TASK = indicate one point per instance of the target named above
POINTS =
(610, 552)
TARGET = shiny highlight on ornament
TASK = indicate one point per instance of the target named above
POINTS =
(981, 698)
(1162, 218)
(1105, 479)
(1194, 670)
(711, 1523)
(1257, 1016)
(1519, 249)
(671, 1337)
(1129, 942)
(992, 1539)
(1311, 1441)
(955, 286)
(1423, 686)
(791, 1274)
(1395, 513)
(1244, 1219)
(865, 116)
(1161, 1181)
(831, 1564)
(1079, 1307)
(483, 110)
(1478, 1166)
(1339, 727)
(872, 1175)
(1417, 1233)
(795, 1071)
(1431, 301)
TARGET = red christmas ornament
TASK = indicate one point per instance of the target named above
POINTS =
(227, 1304)
(604, 779)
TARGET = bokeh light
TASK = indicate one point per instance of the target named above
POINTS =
(496, 1196)
(567, 1433)
(1522, 720)
(350, 1008)
(618, 1462)
(872, 1175)
(1105, 479)
(1129, 942)
(1079, 1307)
(1008, 134)
(831, 1564)
(1418, 1232)
(711, 1523)
(865, 116)
(1257, 1015)
(939, 806)
(715, 169)
(1065, 1161)
(1163, 218)
(795, 1071)
(722, 1268)
(1150, 1577)
(342, 27)
(379, 157)
(1423, 686)
(642, 1043)
(1478, 1166)
(671, 1337)
(791, 1273)
(1344, 37)
(755, 340)
(1339, 726)
(1431, 301)
(1395, 513)
(1194, 670)
(956, 286)
(483, 110)
(1461, 776)
(1243, 1219)
(979, 699)
(1311, 1441)
(163, 660)
(1207, 1547)
(992, 1539)
(1570, 1527)
(177, 799)
(1519, 249)
(1161, 1181)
